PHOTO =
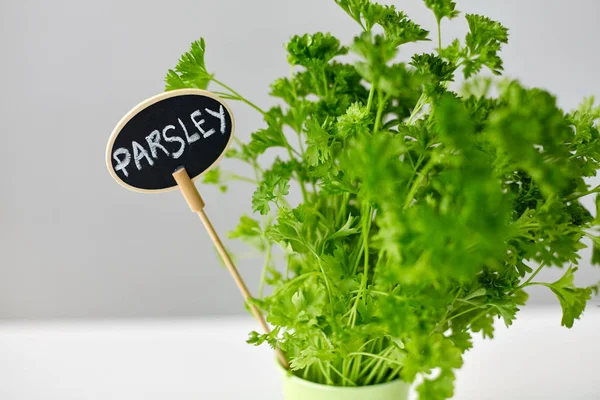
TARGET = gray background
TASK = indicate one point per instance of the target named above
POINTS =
(75, 244)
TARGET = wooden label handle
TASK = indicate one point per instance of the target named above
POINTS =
(194, 200)
(188, 189)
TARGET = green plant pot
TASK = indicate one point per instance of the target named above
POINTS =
(295, 388)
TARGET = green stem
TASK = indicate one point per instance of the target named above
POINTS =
(370, 101)
(344, 378)
(325, 374)
(305, 374)
(475, 318)
(575, 196)
(382, 371)
(368, 212)
(243, 179)
(300, 145)
(379, 368)
(325, 83)
(297, 279)
(242, 98)
(462, 313)
(291, 151)
(439, 29)
(377, 357)
(467, 302)
(263, 275)
(415, 186)
(417, 109)
(374, 372)
(342, 213)
(327, 284)
(539, 284)
(345, 365)
(527, 282)
(394, 374)
(380, 105)
(357, 261)
(356, 367)
(227, 96)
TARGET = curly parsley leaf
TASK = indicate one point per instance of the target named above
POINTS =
(308, 50)
(481, 46)
(442, 8)
(274, 186)
(190, 71)
(572, 299)
(399, 29)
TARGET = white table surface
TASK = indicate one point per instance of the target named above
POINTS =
(208, 359)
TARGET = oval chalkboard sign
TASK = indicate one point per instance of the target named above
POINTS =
(188, 128)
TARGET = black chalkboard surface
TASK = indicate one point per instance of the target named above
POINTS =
(188, 128)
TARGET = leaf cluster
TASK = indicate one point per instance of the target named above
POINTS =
(425, 213)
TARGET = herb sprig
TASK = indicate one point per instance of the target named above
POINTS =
(423, 213)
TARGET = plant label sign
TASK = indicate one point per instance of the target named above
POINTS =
(189, 128)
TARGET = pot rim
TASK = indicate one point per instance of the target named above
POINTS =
(289, 375)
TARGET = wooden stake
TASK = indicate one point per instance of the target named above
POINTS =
(194, 200)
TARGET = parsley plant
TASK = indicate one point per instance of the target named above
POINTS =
(423, 213)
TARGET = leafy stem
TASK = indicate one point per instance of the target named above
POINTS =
(578, 195)
(528, 281)
(381, 100)
(263, 275)
(239, 96)
(366, 218)
(417, 109)
(378, 357)
(417, 182)
(370, 100)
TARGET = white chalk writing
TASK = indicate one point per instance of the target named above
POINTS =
(165, 141)
(172, 139)
(140, 152)
(122, 163)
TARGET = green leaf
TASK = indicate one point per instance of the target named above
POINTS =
(462, 339)
(213, 177)
(247, 228)
(399, 29)
(264, 139)
(298, 300)
(439, 388)
(308, 50)
(426, 353)
(190, 71)
(318, 142)
(376, 51)
(485, 325)
(477, 293)
(365, 12)
(349, 228)
(572, 299)
(173, 81)
(442, 8)
(530, 132)
(257, 339)
(507, 310)
(274, 186)
(434, 66)
(454, 123)
(484, 41)
(356, 121)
